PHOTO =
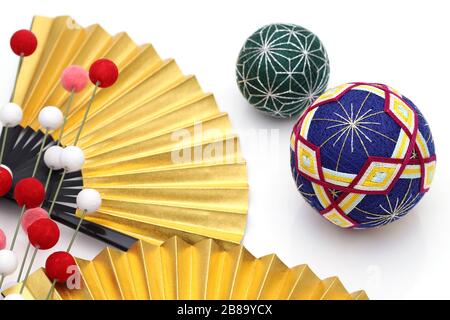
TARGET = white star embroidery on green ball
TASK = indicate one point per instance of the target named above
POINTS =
(282, 69)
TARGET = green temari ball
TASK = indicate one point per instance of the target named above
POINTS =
(282, 69)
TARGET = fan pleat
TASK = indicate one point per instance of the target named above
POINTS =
(359, 295)
(270, 275)
(138, 272)
(176, 269)
(334, 289)
(301, 283)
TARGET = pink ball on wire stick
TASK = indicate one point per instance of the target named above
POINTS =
(74, 78)
(2, 240)
(32, 215)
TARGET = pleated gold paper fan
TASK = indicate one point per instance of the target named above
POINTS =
(178, 270)
(135, 129)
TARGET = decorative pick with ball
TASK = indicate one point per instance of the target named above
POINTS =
(58, 268)
(88, 201)
(30, 216)
(52, 159)
(29, 193)
(10, 116)
(103, 74)
(8, 263)
(43, 234)
(73, 79)
(50, 118)
(23, 43)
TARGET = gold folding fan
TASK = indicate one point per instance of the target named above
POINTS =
(178, 270)
(133, 131)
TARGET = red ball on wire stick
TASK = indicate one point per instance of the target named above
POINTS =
(60, 266)
(23, 43)
(6, 180)
(43, 234)
(29, 192)
(104, 72)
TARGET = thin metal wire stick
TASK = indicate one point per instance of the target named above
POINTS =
(66, 115)
(50, 292)
(22, 266)
(40, 153)
(91, 100)
(77, 230)
(58, 189)
(24, 283)
(48, 179)
(16, 232)
(19, 66)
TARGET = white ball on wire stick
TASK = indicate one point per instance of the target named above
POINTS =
(89, 200)
(51, 118)
(11, 115)
(52, 157)
(8, 262)
(72, 159)
(14, 296)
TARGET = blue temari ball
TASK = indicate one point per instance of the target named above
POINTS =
(282, 69)
(362, 155)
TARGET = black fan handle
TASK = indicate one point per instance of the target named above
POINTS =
(114, 238)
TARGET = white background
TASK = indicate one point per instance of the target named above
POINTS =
(404, 44)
